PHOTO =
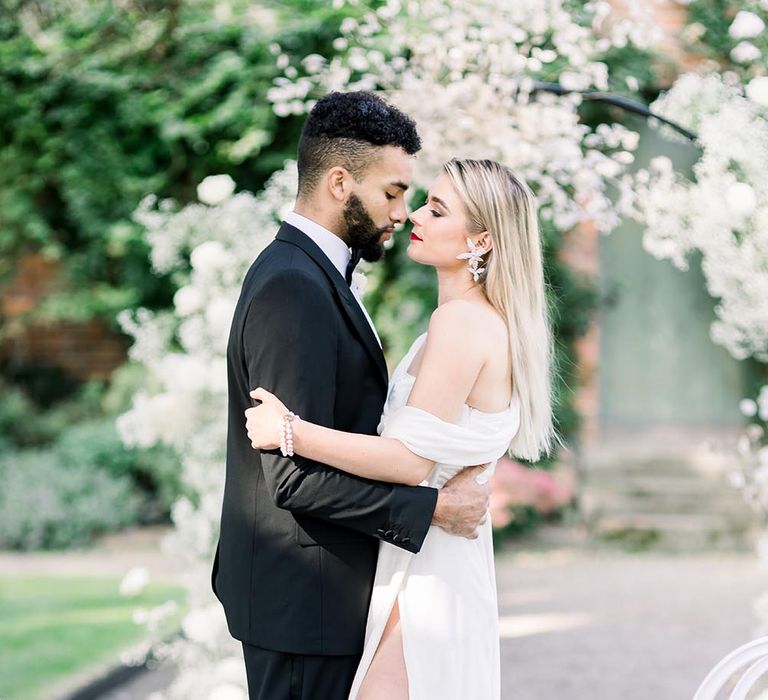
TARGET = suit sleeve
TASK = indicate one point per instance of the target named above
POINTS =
(290, 341)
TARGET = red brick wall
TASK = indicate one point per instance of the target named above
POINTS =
(84, 350)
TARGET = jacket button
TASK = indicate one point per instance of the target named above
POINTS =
(389, 533)
(395, 538)
(381, 531)
(406, 540)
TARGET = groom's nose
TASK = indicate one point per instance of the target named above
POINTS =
(400, 214)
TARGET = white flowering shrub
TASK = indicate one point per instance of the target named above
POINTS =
(207, 248)
(723, 212)
(464, 70)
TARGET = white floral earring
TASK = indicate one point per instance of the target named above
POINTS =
(475, 257)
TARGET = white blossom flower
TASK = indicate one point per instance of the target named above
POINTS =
(134, 582)
(741, 199)
(762, 403)
(745, 52)
(188, 300)
(215, 189)
(313, 63)
(228, 691)
(198, 623)
(757, 90)
(746, 25)
(210, 257)
(230, 670)
(748, 407)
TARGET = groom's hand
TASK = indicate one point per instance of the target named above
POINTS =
(462, 504)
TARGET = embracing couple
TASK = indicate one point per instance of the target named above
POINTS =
(355, 557)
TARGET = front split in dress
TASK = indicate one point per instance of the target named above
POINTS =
(447, 592)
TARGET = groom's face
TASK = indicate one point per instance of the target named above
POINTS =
(376, 204)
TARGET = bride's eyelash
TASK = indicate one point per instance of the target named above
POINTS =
(434, 213)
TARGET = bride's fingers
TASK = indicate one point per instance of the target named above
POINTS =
(250, 415)
(260, 394)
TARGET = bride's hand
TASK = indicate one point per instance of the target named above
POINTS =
(263, 423)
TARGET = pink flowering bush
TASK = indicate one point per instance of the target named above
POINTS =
(518, 489)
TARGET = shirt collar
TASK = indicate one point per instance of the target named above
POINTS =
(334, 248)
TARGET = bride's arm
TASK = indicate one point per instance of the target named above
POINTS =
(450, 366)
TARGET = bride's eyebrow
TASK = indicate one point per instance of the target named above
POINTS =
(439, 201)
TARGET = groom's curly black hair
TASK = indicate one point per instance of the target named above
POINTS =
(346, 128)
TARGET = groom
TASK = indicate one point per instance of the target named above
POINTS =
(297, 551)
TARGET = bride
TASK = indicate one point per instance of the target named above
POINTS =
(475, 385)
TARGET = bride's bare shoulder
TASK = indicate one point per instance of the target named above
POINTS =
(467, 323)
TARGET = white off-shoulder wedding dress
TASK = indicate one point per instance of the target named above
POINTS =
(447, 592)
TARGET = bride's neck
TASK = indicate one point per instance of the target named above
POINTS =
(456, 284)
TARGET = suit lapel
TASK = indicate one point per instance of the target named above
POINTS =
(290, 234)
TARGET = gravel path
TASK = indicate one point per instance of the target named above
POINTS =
(577, 623)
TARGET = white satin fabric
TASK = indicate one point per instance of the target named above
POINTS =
(447, 592)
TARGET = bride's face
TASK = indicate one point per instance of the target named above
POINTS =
(440, 228)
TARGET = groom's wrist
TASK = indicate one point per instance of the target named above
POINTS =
(446, 504)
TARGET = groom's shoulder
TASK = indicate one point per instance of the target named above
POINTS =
(290, 274)
(284, 262)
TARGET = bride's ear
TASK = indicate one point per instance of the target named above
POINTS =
(484, 240)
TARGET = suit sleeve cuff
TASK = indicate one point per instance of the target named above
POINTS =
(411, 518)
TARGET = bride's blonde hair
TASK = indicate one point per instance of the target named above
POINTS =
(500, 203)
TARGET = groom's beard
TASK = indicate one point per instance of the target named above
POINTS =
(362, 231)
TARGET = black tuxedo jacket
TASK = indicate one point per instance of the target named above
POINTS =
(298, 543)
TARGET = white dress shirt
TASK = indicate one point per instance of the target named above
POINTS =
(335, 250)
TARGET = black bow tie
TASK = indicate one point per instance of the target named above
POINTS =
(357, 253)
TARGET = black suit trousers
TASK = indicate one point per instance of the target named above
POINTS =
(277, 675)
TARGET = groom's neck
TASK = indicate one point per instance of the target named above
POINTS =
(319, 215)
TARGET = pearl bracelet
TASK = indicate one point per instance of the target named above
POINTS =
(286, 434)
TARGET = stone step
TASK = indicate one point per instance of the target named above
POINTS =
(667, 492)
(666, 521)
(672, 532)
(701, 488)
(670, 468)
(733, 515)
(593, 503)
(671, 500)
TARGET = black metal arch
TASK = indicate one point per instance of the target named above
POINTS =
(615, 100)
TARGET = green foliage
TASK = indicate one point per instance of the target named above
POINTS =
(29, 417)
(46, 506)
(79, 434)
(154, 473)
(716, 16)
(103, 103)
(714, 42)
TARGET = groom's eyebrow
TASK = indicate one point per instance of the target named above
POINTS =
(399, 183)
